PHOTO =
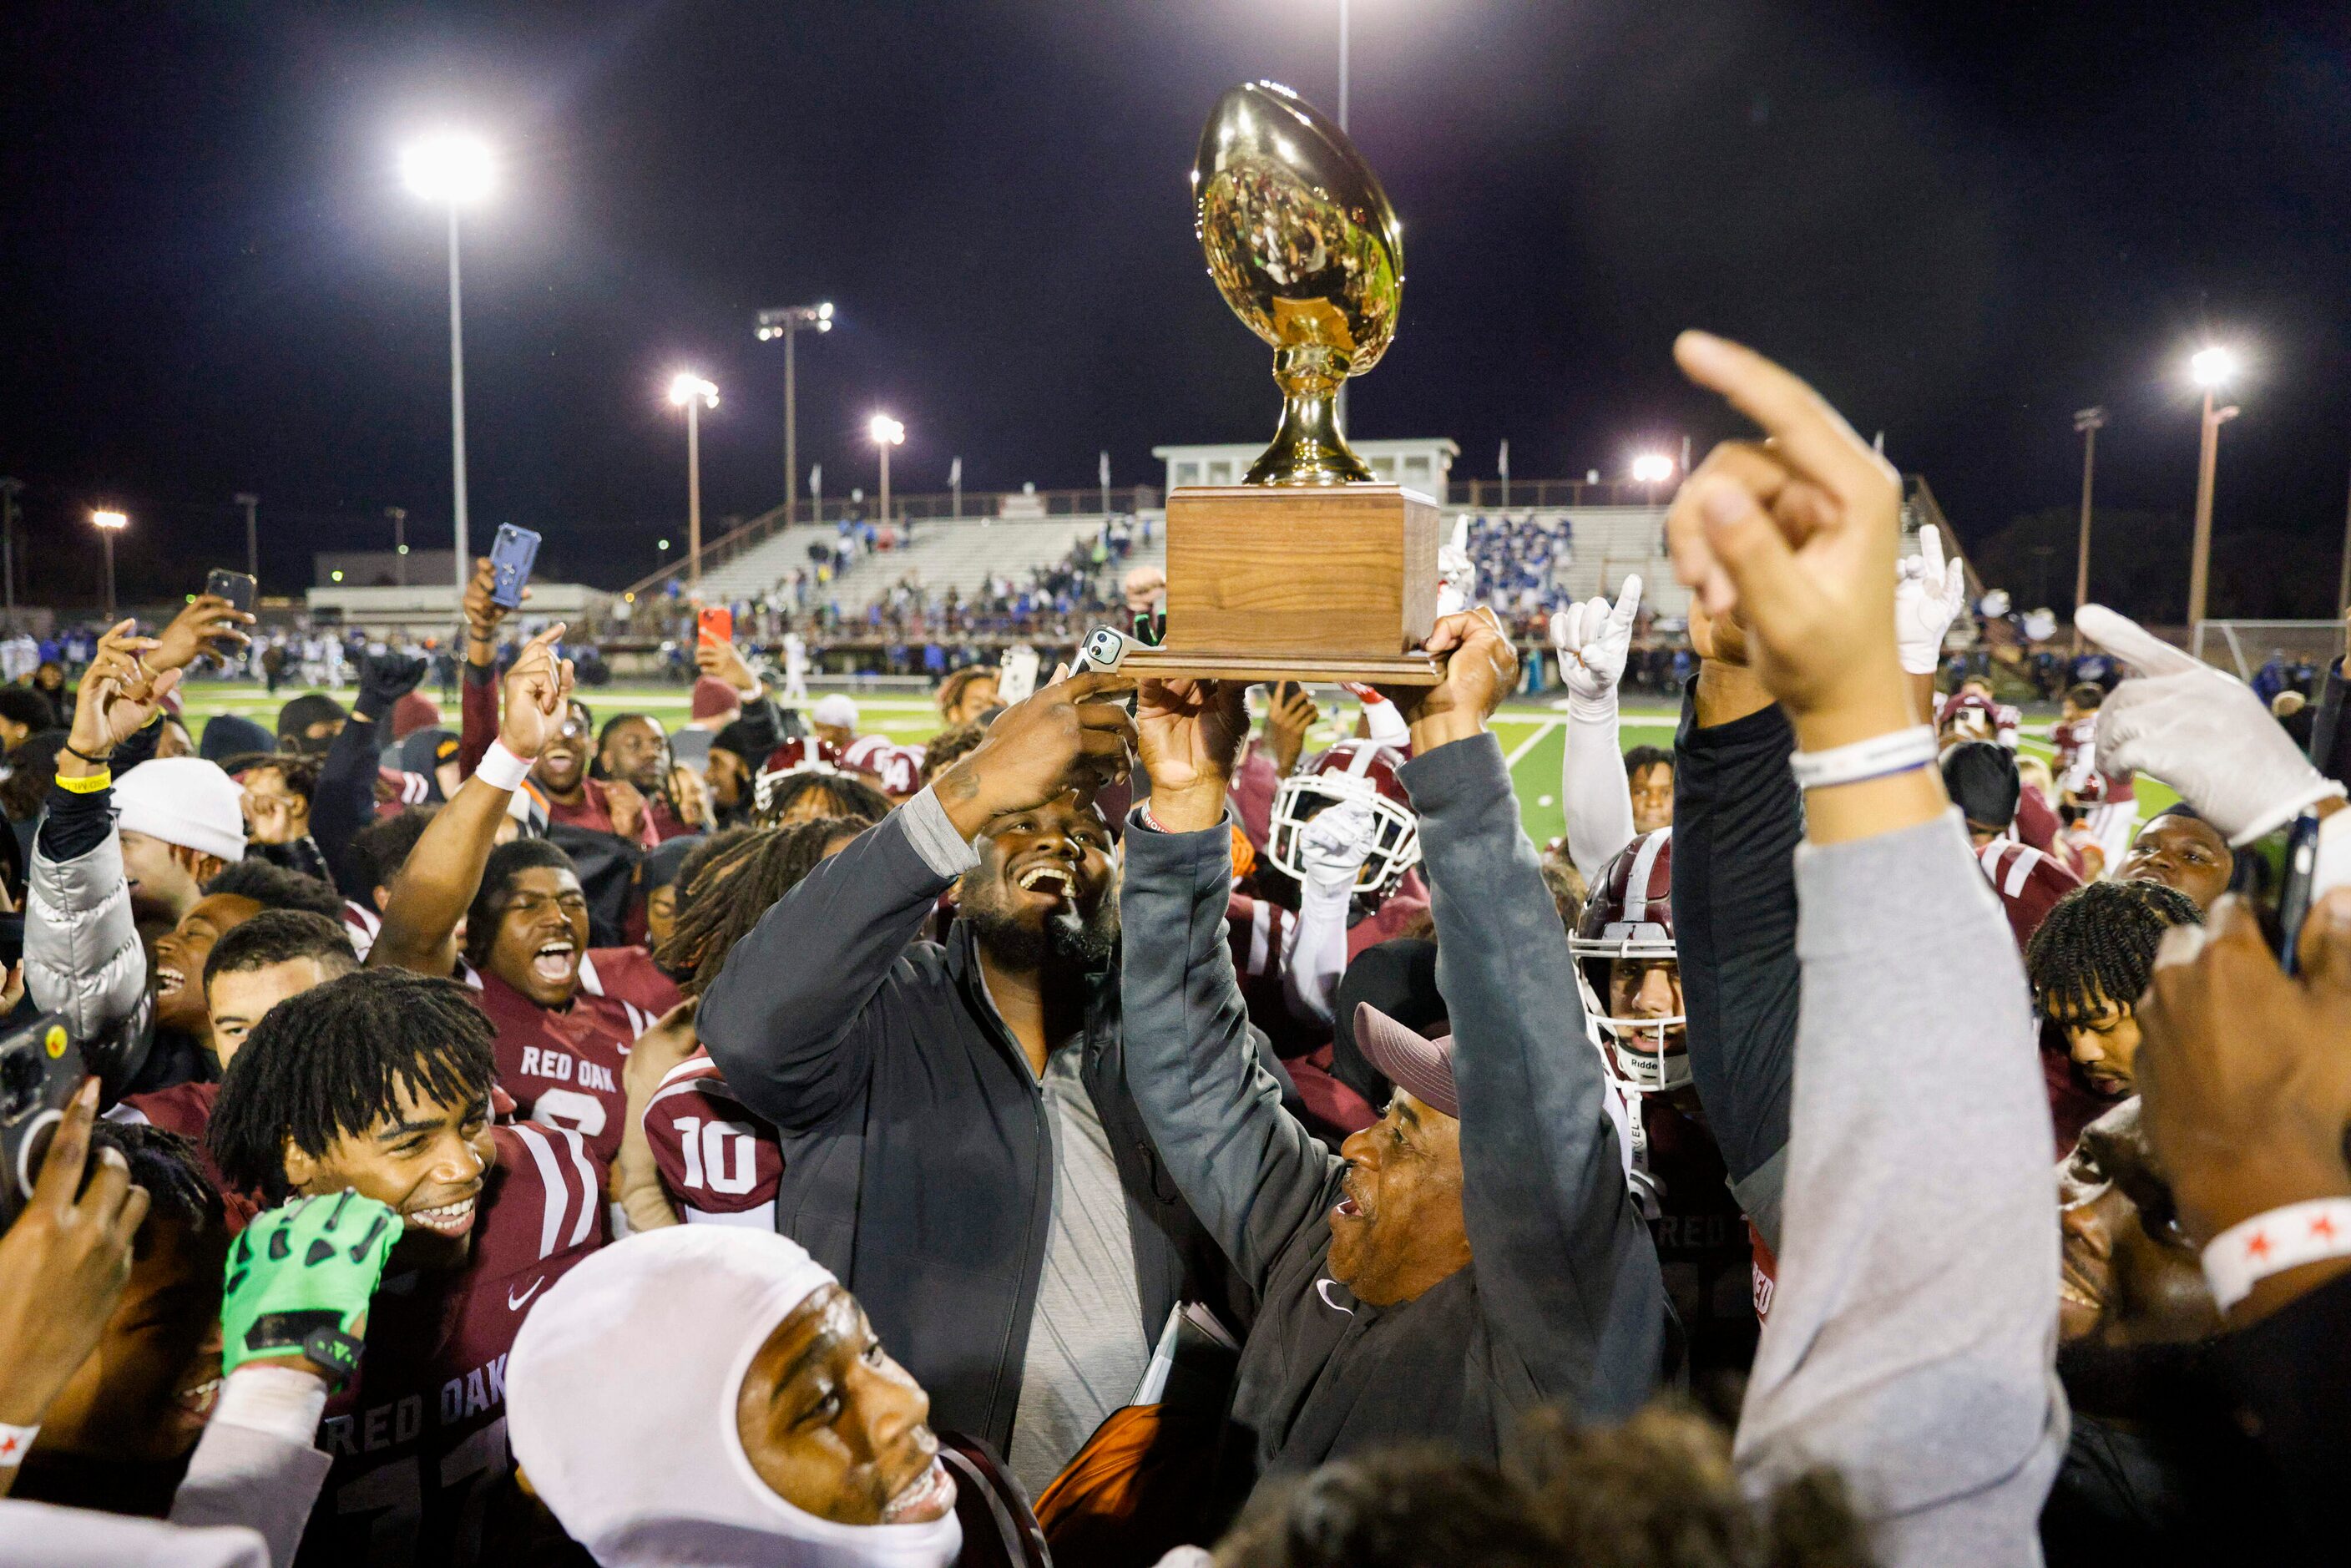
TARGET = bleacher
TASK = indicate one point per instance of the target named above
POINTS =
(1601, 546)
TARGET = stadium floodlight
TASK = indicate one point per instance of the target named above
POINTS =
(693, 393)
(109, 524)
(1652, 469)
(449, 167)
(2212, 367)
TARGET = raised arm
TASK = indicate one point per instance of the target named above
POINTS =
(1593, 641)
(82, 954)
(1567, 1276)
(477, 707)
(1737, 817)
(440, 875)
(1911, 1341)
(790, 1019)
(1250, 1170)
(344, 801)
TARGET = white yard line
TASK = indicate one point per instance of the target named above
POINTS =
(1531, 742)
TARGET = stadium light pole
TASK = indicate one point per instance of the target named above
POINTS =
(248, 501)
(886, 433)
(2088, 421)
(693, 393)
(2209, 369)
(452, 170)
(785, 321)
(398, 516)
(109, 524)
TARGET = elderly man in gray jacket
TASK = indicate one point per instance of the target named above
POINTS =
(1452, 1271)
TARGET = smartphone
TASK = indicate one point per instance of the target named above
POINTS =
(236, 587)
(2278, 874)
(40, 1073)
(1104, 649)
(511, 559)
(715, 622)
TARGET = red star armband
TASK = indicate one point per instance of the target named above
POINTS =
(2251, 1250)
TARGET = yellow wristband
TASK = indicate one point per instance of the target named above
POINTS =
(87, 784)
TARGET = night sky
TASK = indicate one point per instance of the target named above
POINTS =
(1964, 221)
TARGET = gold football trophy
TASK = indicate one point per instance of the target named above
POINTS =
(1310, 568)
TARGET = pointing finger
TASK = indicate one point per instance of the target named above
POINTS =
(1628, 601)
(2133, 643)
(1813, 438)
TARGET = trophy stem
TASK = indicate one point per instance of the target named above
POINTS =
(1308, 448)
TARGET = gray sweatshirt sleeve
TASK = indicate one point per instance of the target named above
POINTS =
(1252, 1174)
(43, 1535)
(1911, 1344)
(1567, 1276)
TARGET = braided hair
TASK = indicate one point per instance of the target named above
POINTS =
(168, 1166)
(2097, 944)
(731, 892)
(330, 1064)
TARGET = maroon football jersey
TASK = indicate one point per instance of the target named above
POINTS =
(2029, 883)
(719, 1162)
(419, 1439)
(187, 1109)
(628, 974)
(563, 1067)
(1702, 1240)
(2077, 770)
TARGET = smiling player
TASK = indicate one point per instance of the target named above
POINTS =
(379, 1083)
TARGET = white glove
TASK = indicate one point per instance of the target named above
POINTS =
(1928, 594)
(1457, 574)
(2200, 732)
(1335, 844)
(1593, 640)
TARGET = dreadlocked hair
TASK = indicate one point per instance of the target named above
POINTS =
(169, 1167)
(731, 892)
(507, 862)
(725, 848)
(2097, 947)
(844, 797)
(330, 1063)
(273, 886)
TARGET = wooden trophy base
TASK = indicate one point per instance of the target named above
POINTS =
(1326, 582)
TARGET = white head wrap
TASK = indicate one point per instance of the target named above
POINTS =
(620, 1398)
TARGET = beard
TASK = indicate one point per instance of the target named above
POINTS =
(1067, 937)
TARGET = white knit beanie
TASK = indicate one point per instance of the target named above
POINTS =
(184, 800)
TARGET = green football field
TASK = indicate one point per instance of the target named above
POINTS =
(1531, 730)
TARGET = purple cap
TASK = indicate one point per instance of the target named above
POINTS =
(1408, 1058)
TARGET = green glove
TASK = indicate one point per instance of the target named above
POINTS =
(299, 1277)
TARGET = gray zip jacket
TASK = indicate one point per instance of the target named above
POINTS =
(1912, 1340)
(1563, 1301)
(82, 956)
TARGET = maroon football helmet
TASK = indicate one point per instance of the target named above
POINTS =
(1629, 913)
(803, 754)
(1361, 770)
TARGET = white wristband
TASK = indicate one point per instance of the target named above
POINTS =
(1895, 751)
(283, 1401)
(15, 1443)
(2251, 1250)
(501, 769)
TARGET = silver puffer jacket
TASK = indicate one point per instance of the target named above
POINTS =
(82, 955)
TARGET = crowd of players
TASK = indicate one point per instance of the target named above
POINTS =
(1108, 1134)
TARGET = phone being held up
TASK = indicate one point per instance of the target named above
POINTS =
(236, 587)
(714, 623)
(513, 555)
